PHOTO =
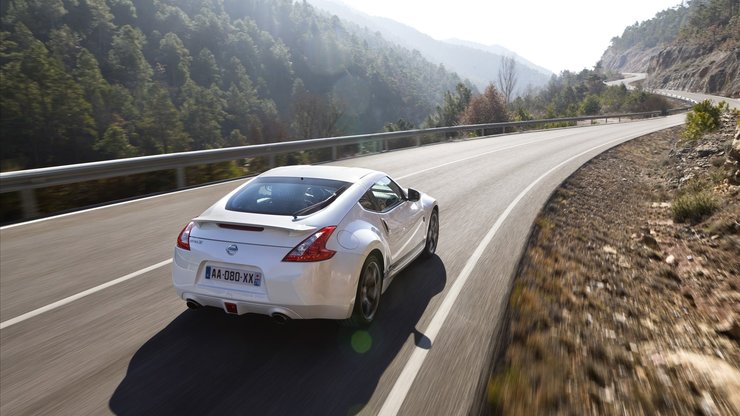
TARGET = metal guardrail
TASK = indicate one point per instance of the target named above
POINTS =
(26, 181)
(672, 95)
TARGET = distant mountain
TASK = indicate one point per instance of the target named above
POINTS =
(500, 50)
(475, 63)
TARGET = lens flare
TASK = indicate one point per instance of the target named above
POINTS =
(361, 342)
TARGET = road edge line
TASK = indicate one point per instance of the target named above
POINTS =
(401, 387)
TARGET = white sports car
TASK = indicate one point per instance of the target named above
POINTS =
(302, 242)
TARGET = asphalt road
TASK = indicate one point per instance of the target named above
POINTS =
(629, 78)
(133, 348)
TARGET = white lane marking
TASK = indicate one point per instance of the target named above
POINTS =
(400, 389)
(81, 295)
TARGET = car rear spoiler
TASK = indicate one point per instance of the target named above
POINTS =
(245, 219)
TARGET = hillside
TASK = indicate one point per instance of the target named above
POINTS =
(475, 63)
(689, 47)
(86, 80)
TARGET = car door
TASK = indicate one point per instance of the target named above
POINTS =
(401, 219)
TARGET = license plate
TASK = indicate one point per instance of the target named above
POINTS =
(240, 277)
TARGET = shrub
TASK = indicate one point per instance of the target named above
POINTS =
(693, 206)
(704, 117)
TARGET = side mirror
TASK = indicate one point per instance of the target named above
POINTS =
(413, 195)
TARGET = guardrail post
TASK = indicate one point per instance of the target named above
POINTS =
(333, 153)
(29, 204)
(271, 161)
(181, 182)
(385, 145)
(418, 141)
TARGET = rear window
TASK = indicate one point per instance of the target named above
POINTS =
(282, 196)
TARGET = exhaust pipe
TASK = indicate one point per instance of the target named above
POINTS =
(280, 318)
(192, 304)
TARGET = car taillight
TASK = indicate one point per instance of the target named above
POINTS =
(183, 240)
(313, 248)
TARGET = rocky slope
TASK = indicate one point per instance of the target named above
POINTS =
(635, 59)
(618, 308)
(697, 68)
(694, 47)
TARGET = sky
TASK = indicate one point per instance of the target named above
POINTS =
(558, 35)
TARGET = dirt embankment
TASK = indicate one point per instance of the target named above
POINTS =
(617, 308)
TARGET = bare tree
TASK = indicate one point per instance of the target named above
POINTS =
(507, 77)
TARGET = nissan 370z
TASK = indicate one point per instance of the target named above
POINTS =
(305, 242)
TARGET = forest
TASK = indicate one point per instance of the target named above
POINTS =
(85, 80)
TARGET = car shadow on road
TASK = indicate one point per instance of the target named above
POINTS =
(207, 362)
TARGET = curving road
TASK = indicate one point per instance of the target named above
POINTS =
(629, 78)
(89, 322)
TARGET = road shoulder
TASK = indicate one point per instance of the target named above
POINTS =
(618, 309)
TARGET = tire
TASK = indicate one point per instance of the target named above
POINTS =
(432, 235)
(369, 289)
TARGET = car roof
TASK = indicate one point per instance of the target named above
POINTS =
(339, 173)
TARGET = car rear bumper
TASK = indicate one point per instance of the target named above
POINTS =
(324, 290)
(290, 311)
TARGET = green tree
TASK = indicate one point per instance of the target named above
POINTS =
(399, 125)
(315, 116)
(115, 144)
(590, 105)
(126, 58)
(205, 71)
(95, 88)
(160, 129)
(47, 114)
(202, 114)
(175, 58)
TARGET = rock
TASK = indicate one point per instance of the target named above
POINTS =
(650, 241)
(729, 328)
(633, 347)
(671, 260)
(609, 249)
(620, 317)
(598, 373)
(706, 150)
(734, 153)
(607, 395)
(647, 324)
(624, 263)
(690, 258)
(621, 291)
(706, 405)
(640, 372)
(589, 319)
